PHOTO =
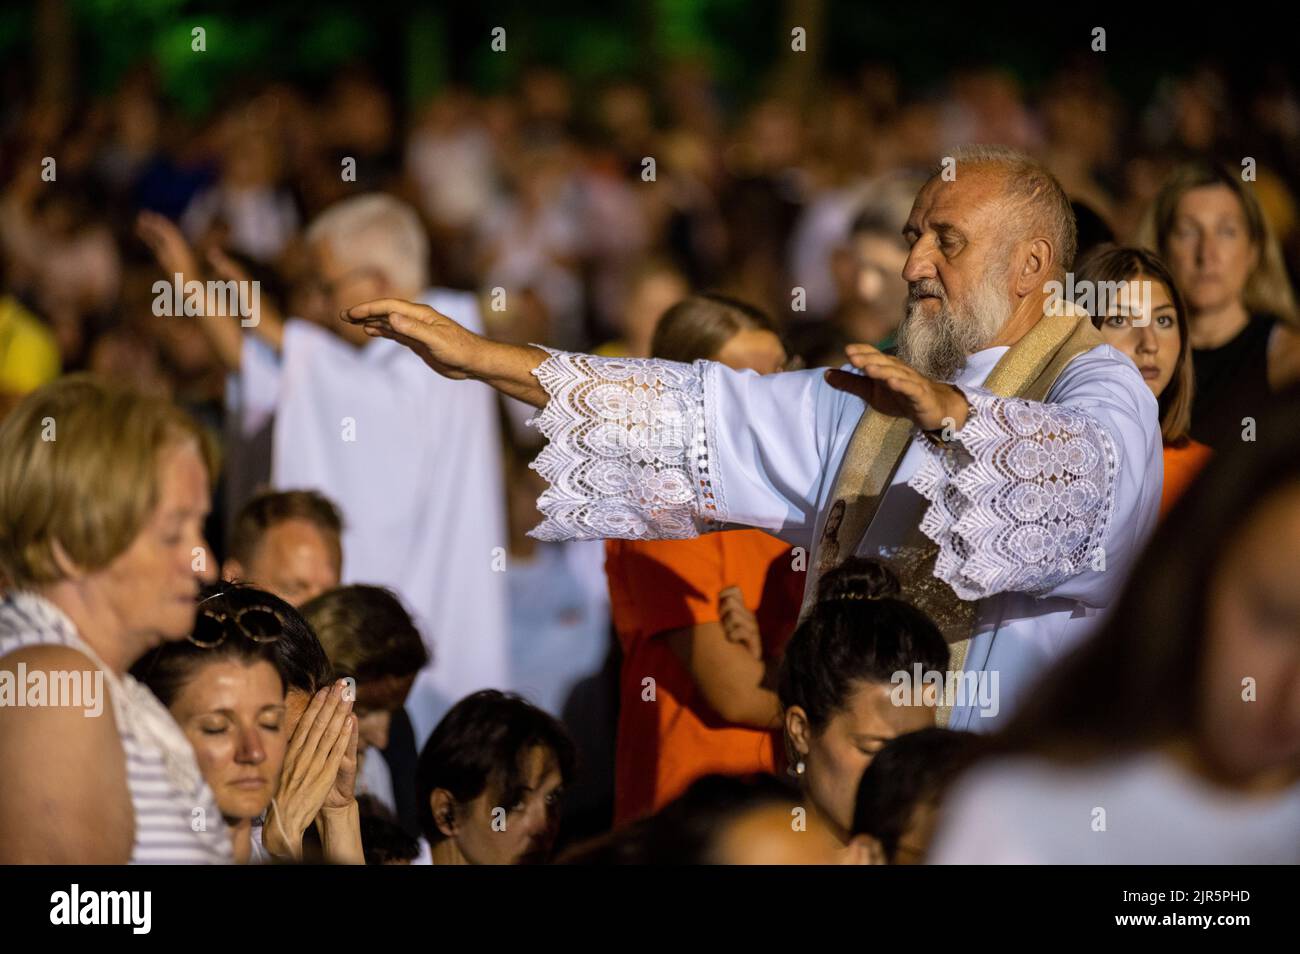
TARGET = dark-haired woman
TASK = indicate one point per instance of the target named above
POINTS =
(225, 687)
(839, 686)
(1152, 331)
(718, 820)
(1173, 736)
(490, 781)
(900, 793)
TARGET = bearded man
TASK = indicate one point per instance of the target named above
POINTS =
(1005, 462)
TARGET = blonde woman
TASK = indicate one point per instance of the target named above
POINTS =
(1208, 226)
(103, 494)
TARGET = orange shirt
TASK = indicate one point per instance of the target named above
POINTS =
(657, 586)
(1182, 464)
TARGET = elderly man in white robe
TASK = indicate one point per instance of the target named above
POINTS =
(412, 460)
(1006, 462)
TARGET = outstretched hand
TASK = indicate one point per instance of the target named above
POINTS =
(894, 387)
(441, 343)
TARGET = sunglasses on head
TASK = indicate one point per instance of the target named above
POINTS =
(260, 623)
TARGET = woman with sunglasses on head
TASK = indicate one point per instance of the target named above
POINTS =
(226, 687)
(103, 493)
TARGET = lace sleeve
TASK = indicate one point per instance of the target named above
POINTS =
(627, 452)
(1021, 498)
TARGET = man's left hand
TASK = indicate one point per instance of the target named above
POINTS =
(899, 390)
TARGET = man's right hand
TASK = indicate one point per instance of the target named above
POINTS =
(452, 350)
(441, 343)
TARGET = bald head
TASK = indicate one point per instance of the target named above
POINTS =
(1031, 202)
(983, 246)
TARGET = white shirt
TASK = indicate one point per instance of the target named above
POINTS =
(413, 461)
(1143, 809)
(177, 820)
(1039, 508)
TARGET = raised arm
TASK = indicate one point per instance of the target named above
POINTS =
(265, 322)
(177, 258)
(223, 331)
(451, 349)
(641, 448)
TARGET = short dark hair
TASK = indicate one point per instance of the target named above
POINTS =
(686, 830)
(299, 655)
(481, 741)
(262, 512)
(169, 667)
(382, 839)
(859, 630)
(366, 632)
(908, 771)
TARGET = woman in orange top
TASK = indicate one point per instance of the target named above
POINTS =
(1153, 332)
(701, 621)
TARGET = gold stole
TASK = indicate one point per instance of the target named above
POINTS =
(1028, 370)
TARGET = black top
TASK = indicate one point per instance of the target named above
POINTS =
(401, 757)
(1231, 384)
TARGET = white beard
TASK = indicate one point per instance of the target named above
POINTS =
(938, 346)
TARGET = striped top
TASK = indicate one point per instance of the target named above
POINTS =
(176, 816)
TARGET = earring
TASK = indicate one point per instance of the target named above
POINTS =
(799, 767)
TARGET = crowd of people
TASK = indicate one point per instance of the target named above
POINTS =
(773, 415)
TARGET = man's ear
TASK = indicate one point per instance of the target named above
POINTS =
(232, 571)
(864, 850)
(444, 811)
(1035, 268)
(798, 731)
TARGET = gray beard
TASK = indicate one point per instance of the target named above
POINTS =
(938, 346)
